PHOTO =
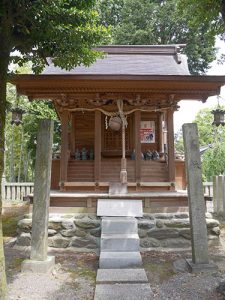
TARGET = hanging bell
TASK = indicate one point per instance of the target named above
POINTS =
(17, 115)
(115, 123)
(218, 117)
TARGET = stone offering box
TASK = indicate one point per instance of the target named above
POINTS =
(81, 232)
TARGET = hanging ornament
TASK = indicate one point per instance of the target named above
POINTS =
(115, 123)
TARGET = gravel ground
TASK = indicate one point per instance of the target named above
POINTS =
(74, 277)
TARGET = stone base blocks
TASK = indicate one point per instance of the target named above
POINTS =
(133, 291)
(105, 276)
(38, 266)
(122, 260)
(122, 284)
(119, 243)
(196, 268)
(111, 225)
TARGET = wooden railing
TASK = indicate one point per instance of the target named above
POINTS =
(16, 191)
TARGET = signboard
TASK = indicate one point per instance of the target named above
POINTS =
(147, 132)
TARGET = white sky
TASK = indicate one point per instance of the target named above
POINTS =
(189, 109)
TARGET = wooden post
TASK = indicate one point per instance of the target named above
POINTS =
(170, 146)
(72, 134)
(123, 172)
(97, 151)
(137, 124)
(161, 141)
(64, 147)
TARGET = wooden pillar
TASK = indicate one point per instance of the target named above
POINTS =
(170, 146)
(72, 134)
(137, 126)
(64, 147)
(123, 172)
(97, 151)
(161, 140)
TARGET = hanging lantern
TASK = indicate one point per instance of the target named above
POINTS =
(17, 114)
(115, 123)
(218, 117)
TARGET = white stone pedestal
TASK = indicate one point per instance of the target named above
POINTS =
(38, 266)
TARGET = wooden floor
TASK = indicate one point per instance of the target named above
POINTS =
(68, 202)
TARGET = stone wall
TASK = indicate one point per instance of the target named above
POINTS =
(81, 232)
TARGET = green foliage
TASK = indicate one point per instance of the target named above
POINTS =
(21, 140)
(63, 30)
(213, 159)
(142, 22)
(213, 162)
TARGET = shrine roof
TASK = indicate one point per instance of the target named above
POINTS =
(131, 60)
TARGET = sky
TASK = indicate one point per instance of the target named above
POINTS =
(189, 109)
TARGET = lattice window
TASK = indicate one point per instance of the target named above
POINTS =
(113, 140)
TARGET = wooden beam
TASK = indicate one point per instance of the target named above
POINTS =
(64, 147)
(97, 151)
(170, 146)
(137, 126)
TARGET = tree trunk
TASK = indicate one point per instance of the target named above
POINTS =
(21, 155)
(4, 62)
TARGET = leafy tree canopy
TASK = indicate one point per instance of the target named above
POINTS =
(64, 30)
(161, 22)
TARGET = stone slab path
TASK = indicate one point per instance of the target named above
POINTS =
(120, 276)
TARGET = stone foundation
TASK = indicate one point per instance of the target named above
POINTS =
(82, 232)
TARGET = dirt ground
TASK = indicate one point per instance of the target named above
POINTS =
(74, 274)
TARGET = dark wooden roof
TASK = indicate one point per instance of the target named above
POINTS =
(132, 60)
(154, 72)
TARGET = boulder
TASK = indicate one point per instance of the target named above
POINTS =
(87, 223)
(166, 216)
(55, 223)
(182, 215)
(57, 241)
(212, 223)
(84, 242)
(68, 232)
(146, 224)
(177, 223)
(161, 234)
(25, 225)
(185, 233)
(148, 216)
(159, 224)
(68, 224)
(215, 231)
(149, 243)
(24, 239)
(142, 233)
(96, 232)
(51, 232)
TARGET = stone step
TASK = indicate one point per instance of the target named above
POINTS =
(121, 276)
(138, 291)
(119, 225)
(120, 242)
(120, 260)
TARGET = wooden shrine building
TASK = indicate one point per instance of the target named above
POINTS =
(117, 118)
